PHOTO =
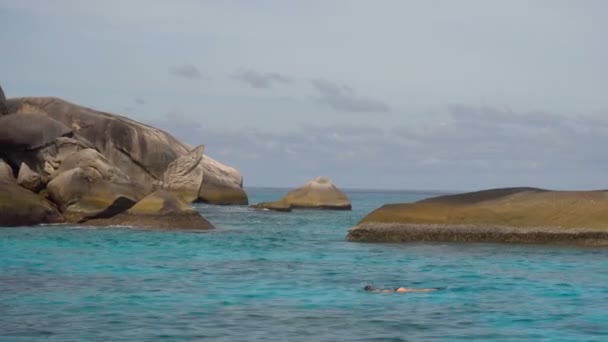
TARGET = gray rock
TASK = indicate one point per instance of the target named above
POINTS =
(184, 175)
(21, 207)
(29, 131)
(6, 172)
(82, 194)
(140, 151)
(2, 96)
(29, 179)
(99, 165)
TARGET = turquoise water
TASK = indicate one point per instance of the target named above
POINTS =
(265, 276)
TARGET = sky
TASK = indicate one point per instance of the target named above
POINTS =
(435, 95)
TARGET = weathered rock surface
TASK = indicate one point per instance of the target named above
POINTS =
(95, 162)
(96, 166)
(82, 193)
(221, 194)
(29, 179)
(159, 210)
(28, 131)
(20, 207)
(222, 184)
(319, 193)
(142, 152)
(184, 176)
(518, 215)
(6, 172)
(2, 96)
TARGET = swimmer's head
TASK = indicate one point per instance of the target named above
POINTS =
(368, 288)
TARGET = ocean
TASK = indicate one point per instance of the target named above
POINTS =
(267, 276)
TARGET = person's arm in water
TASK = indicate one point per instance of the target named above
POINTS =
(405, 289)
(369, 288)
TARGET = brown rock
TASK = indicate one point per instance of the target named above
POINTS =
(221, 195)
(97, 163)
(29, 179)
(159, 210)
(521, 215)
(82, 193)
(320, 193)
(21, 207)
(6, 172)
(184, 176)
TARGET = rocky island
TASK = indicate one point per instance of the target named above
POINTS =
(513, 215)
(61, 162)
(319, 193)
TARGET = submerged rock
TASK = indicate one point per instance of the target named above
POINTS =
(21, 207)
(160, 210)
(319, 193)
(274, 206)
(518, 215)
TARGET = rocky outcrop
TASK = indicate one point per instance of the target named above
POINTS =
(159, 210)
(319, 193)
(95, 166)
(184, 176)
(29, 131)
(141, 152)
(518, 215)
(20, 207)
(6, 172)
(81, 193)
(96, 163)
(29, 179)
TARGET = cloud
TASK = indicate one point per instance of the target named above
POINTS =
(485, 113)
(186, 71)
(344, 98)
(468, 149)
(261, 80)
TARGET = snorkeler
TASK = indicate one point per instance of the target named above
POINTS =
(369, 288)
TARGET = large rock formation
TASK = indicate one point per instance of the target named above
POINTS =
(160, 210)
(20, 207)
(319, 193)
(142, 152)
(519, 215)
(97, 166)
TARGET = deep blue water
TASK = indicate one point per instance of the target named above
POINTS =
(291, 277)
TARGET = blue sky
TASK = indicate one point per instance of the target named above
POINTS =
(455, 95)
